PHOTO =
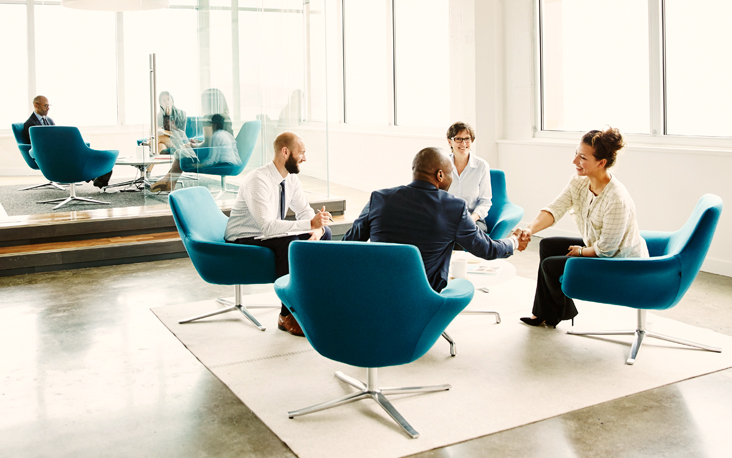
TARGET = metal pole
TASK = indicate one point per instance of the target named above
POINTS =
(153, 106)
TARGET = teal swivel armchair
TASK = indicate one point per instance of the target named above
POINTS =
(63, 157)
(383, 312)
(655, 283)
(25, 151)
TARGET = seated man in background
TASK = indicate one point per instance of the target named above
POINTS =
(261, 206)
(39, 117)
(423, 214)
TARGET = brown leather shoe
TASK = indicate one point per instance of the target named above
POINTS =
(289, 323)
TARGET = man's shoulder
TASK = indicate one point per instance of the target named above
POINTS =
(31, 119)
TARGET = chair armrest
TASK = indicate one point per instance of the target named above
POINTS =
(643, 283)
(656, 241)
(459, 288)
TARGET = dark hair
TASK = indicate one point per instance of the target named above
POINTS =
(458, 127)
(606, 144)
(217, 122)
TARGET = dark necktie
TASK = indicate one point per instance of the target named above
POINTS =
(43, 121)
(283, 210)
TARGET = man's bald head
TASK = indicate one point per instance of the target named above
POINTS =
(41, 105)
(433, 166)
(286, 139)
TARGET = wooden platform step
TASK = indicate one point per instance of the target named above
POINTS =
(105, 237)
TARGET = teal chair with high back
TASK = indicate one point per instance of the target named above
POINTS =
(201, 225)
(655, 283)
(63, 157)
(246, 139)
(503, 215)
(25, 151)
(384, 289)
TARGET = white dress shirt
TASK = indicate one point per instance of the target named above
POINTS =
(256, 211)
(473, 185)
(606, 221)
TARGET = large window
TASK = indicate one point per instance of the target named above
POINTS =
(655, 67)
(595, 65)
(13, 80)
(698, 67)
(76, 64)
(422, 57)
(366, 61)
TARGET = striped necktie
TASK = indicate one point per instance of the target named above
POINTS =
(44, 121)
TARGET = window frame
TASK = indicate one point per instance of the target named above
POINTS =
(657, 89)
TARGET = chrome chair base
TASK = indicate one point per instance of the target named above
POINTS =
(50, 183)
(223, 189)
(73, 197)
(453, 345)
(371, 389)
(231, 306)
(640, 332)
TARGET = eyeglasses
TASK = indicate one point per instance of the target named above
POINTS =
(462, 140)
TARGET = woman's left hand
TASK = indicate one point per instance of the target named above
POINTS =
(574, 250)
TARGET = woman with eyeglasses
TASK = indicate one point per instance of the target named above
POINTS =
(605, 216)
(471, 179)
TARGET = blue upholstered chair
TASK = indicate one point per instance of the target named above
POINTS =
(502, 218)
(383, 312)
(245, 141)
(25, 148)
(503, 215)
(63, 157)
(655, 283)
(201, 225)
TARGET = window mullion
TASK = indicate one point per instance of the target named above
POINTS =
(656, 71)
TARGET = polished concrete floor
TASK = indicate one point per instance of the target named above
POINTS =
(86, 370)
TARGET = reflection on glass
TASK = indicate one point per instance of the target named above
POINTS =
(422, 67)
(697, 73)
(191, 155)
(595, 65)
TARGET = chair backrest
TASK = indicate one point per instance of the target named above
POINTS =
(24, 148)
(691, 243)
(246, 139)
(365, 304)
(194, 126)
(503, 215)
(202, 225)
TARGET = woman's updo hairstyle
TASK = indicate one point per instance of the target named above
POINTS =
(606, 144)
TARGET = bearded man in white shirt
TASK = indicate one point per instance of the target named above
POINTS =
(261, 206)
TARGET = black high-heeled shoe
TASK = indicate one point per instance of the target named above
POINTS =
(532, 321)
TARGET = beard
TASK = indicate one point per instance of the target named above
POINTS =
(291, 165)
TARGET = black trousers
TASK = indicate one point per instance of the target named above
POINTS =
(280, 247)
(550, 303)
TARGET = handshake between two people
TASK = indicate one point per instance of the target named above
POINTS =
(523, 236)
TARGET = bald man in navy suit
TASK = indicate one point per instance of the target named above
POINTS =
(39, 117)
(423, 214)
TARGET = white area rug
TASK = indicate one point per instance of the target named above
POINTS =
(505, 375)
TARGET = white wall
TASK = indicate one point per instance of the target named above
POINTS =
(664, 181)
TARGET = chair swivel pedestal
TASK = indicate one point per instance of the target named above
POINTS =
(371, 390)
(237, 305)
(71, 198)
(639, 334)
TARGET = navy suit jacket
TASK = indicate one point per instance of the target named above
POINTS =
(33, 121)
(431, 219)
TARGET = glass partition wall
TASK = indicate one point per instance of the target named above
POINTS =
(230, 75)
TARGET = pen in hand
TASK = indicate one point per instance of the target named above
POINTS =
(331, 219)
